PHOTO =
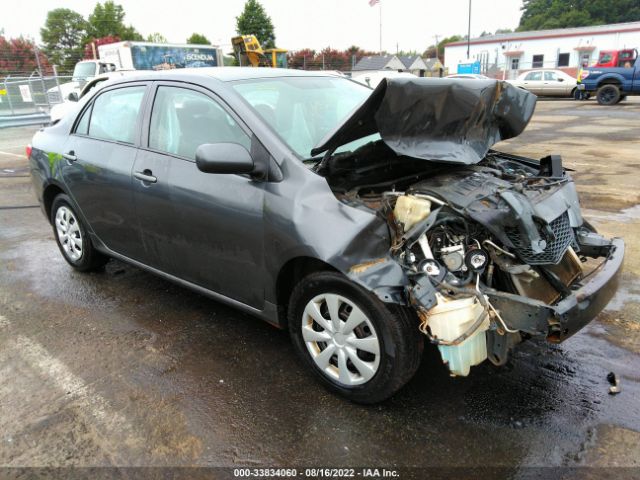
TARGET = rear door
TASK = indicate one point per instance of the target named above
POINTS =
(98, 160)
(201, 227)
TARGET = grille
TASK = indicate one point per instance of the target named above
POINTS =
(555, 249)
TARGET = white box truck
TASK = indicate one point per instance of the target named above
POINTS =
(131, 55)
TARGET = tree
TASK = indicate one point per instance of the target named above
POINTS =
(198, 39)
(88, 49)
(62, 36)
(18, 57)
(546, 14)
(108, 19)
(156, 38)
(254, 21)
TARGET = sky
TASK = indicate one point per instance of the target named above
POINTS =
(406, 24)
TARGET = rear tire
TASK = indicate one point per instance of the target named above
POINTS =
(355, 345)
(72, 237)
(608, 94)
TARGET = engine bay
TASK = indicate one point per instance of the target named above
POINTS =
(474, 241)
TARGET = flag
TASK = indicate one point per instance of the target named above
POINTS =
(373, 3)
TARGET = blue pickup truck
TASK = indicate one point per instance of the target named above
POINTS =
(612, 84)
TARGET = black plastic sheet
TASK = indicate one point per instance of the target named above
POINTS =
(439, 119)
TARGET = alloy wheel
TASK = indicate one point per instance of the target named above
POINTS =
(341, 339)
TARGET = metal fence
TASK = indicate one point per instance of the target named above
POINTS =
(28, 100)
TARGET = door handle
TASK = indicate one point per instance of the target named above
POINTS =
(145, 176)
(70, 156)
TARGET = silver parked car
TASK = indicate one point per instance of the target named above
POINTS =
(547, 83)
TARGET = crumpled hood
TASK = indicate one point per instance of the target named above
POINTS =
(439, 119)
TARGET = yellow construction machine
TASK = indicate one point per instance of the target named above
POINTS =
(249, 53)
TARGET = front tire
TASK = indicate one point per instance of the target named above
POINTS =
(608, 94)
(354, 344)
(72, 238)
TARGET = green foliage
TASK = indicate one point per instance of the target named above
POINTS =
(156, 38)
(108, 19)
(198, 39)
(62, 37)
(254, 21)
(547, 14)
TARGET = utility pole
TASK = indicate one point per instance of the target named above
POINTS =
(437, 52)
(469, 32)
(380, 11)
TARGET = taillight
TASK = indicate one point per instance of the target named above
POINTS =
(27, 150)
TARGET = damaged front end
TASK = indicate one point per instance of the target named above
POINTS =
(493, 249)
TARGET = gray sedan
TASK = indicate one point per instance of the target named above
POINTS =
(363, 221)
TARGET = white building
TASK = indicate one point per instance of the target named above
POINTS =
(506, 55)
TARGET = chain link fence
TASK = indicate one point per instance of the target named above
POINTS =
(28, 100)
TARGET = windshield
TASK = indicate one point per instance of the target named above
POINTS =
(84, 70)
(303, 110)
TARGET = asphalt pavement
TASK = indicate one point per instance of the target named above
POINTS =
(121, 368)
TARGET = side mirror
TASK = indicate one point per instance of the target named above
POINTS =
(223, 158)
(73, 97)
(561, 79)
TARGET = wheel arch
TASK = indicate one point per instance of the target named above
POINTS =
(49, 193)
(610, 81)
(294, 270)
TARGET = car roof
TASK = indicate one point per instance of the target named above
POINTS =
(227, 74)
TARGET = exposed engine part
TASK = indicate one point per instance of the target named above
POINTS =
(455, 318)
(410, 210)
(430, 267)
(476, 259)
(426, 248)
(529, 282)
(501, 250)
(453, 257)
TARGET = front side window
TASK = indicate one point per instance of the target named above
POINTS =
(538, 61)
(303, 110)
(183, 119)
(550, 76)
(115, 114)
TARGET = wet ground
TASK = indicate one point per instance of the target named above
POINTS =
(123, 368)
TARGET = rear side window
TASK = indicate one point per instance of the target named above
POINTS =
(183, 119)
(534, 76)
(115, 114)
